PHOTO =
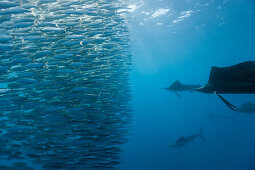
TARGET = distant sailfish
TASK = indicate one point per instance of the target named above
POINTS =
(248, 107)
(177, 86)
(185, 140)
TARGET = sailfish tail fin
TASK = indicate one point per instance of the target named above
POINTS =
(201, 135)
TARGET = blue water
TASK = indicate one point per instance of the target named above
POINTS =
(82, 84)
(219, 33)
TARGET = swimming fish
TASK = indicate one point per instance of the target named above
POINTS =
(177, 86)
(185, 140)
(65, 69)
(248, 107)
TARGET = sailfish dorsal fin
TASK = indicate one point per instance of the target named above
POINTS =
(177, 83)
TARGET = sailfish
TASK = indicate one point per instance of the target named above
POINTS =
(235, 79)
(177, 86)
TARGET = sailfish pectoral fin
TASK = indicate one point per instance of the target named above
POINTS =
(177, 94)
(231, 106)
(226, 101)
(201, 135)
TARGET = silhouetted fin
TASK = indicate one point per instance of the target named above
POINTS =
(226, 101)
(243, 72)
(200, 134)
(176, 83)
(177, 86)
(177, 94)
(231, 106)
(235, 79)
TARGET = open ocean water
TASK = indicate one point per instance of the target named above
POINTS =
(82, 84)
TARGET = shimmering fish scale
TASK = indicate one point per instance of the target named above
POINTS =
(64, 66)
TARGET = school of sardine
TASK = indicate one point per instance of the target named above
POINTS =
(64, 83)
